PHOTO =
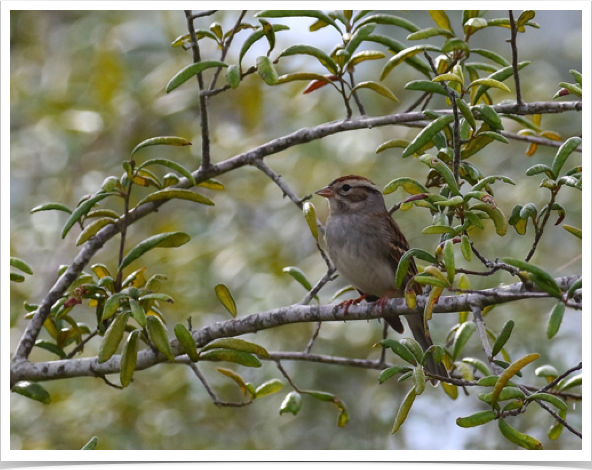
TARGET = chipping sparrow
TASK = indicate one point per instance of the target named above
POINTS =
(365, 245)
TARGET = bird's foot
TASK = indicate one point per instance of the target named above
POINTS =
(381, 302)
(350, 302)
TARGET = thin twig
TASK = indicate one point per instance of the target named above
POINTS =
(313, 338)
(418, 102)
(80, 345)
(285, 374)
(328, 276)
(537, 140)
(202, 14)
(124, 223)
(541, 227)
(277, 179)
(355, 94)
(225, 49)
(558, 379)
(211, 393)
(107, 382)
(203, 102)
(484, 339)
(514, 33)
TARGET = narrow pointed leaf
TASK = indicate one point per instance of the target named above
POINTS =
(191, 70)
(555, 319)
(518, 438)
(176, 193)
(378, 88)
(502, 338)
(186, 341)
(322, 57)
(427, 134)
(92, 229)
(404, 55)
(237, 378)
(476, 419)
(32, 390)
(311, 219)
(428, 33)
(441, 19)
(492, 56)
(20, 264)
(269, 387)
(390, 372)
(266, 70)
(51, 206)
(225, 298)
(230, 355)
(463, 334)
(129, 358)
(391, 20)
(427, 86)
(112, 338)
(92, 444)
(512, 369)
(159, 337)
(319, 15)
(564, 151)
(81, 210)
(162, 240)
(404, 410)
(236, 344)
(254, 37)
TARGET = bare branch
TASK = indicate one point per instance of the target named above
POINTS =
(537, 140)
(514, 33)
(225, 48)
(551, 384)
(201, 14)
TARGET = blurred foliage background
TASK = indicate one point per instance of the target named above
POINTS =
(87, 86)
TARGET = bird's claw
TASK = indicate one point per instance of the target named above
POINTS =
(349, 302)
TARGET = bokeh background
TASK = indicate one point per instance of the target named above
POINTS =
(88, 86)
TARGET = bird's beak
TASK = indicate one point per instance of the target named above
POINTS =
(325, 192)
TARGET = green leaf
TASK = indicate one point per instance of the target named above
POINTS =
(266, 70)
(502, 338)
(427, 86)
(448, 258)
(478, 365)
(518, 438)
(129, 358)
(400, 350)
(231, 355)
(403, 56)
(112, 304)
(212, 184)
(577, 75)
(81, 210)
(51, 347)
(233, 76)
(269, 34)
(32, 390)
(112, 338)
(390, 20)
(292, 403)
(393, 143)
(322, 57)
(500, 76)
(490, 180)
(20, 264)
(572, 289)
(390, 372)
(404, 410)
(364, 56)
(137, 312)
(492, 56)
(450, 77)
(555, 319)
(476, 419)
(564, 151)
(191, 70)
(51, 206)
(428, 33)
(378, 88)
(254, 37)
(462, 336)
(454, 44)
(410, 185)
(495, 214)
(556, 429)
(507, 374)
(437, 230)
(92, 444)
(92, 229)
(555, 401)
(466, 112)
(507, 393)
(245, 388)
(361, 33)
(176, 193)
(299, 276)
(169, 164)
(427, 134)
(540, 168)
(236, 344)
(525, 17)
(226, 299)
(395, 47)
(269, 387)
(162, 240)
(302, 76)
(186, 341)
(157, 332)
(440, 167)
(298, 13)
(541, 277)
(441, 19)
(489, 82)
(488, 115)
(574, 381)
(310, 216)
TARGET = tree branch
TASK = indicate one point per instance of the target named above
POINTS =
(514, 33)
(298, 137)
(24, 370)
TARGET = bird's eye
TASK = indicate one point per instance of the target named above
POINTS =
(346, 187)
